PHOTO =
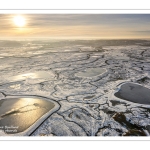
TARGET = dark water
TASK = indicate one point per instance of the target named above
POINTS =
(134, 93)
(133, 130)
(18, 114)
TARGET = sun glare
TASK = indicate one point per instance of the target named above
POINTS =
(19, 21)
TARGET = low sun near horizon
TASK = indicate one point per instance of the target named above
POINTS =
(19, 21)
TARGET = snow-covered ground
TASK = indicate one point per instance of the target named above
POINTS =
(82, 79)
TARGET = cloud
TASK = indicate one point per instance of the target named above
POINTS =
(77, 25)
(146, 31)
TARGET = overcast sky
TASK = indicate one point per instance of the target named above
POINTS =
(77, 26)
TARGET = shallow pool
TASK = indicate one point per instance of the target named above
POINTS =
(134, 93)
(91, 72)
(18, 114)
(33, 75)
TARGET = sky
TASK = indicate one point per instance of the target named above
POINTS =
(101, 26)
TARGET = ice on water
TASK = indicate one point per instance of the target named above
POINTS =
(81, 77)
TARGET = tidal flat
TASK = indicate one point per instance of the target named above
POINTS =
(79, 77)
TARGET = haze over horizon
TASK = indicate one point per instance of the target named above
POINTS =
(75, 26)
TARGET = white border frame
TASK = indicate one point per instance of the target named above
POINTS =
(75, 11)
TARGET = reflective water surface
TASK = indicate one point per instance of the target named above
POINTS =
(134, 93)
(18, 114)
(33, 75)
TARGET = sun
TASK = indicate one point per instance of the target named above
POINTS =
(19, 21)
